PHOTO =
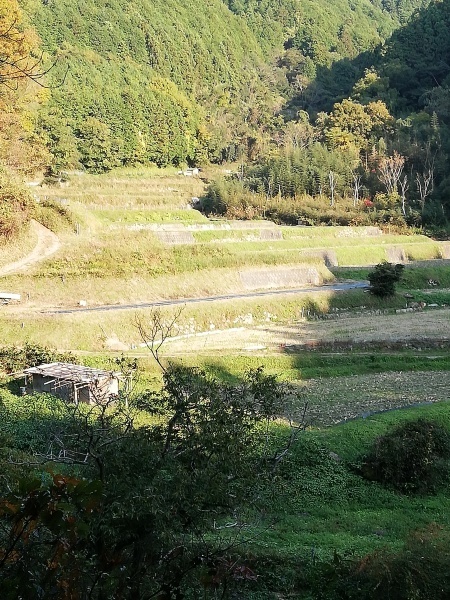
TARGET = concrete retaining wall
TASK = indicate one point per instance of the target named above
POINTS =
(255, 279)
(328, 256)
(396, 255)
(445, 250)
(173, 238)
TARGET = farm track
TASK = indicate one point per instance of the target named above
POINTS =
(48, 243)
(338, 287)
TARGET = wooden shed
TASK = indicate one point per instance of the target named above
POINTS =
(72, 383)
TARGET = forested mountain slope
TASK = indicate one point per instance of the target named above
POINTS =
(169, 82)
(374, 128)
(141, 76)
(350, 83)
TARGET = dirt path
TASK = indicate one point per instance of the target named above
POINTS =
(48, 243)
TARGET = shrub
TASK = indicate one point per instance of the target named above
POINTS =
(420, 570)
(16, 206)
(383, 279)
(411, 458)
(54, 216)
(13, 358)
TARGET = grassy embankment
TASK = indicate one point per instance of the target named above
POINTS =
(117, 258)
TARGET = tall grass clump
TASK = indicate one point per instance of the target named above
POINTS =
(55, 216)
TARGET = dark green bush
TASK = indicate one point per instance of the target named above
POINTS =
(383, 279)
(413, 458)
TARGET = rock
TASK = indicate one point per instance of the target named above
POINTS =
(335, 457)
(113, 343)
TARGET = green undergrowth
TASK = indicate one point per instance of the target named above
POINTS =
(321, 514)
(413, 277)
(313, 511)
(151, 216)
(307, 365)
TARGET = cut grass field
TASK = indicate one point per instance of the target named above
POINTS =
(106, 263)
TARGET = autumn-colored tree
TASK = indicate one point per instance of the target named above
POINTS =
(16, 46)
(20, 71)
(15, 206)
(356, 125)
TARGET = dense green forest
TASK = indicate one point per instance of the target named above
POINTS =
(340, 106)
(365, 139)
(322, 104)
(170, 82)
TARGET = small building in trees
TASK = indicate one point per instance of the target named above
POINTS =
(72, 383)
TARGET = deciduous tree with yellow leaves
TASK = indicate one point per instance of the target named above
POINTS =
(21, 91)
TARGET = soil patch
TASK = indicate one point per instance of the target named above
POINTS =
(336, 399)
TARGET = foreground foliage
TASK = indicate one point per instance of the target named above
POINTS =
(137, 512)
(194, 499)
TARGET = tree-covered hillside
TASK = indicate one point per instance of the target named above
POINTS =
(170, 82)
(318, 99)
(144, 79)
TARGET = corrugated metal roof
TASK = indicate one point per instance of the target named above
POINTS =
(70, 372)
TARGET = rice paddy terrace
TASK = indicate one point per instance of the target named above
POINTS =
(134, 237)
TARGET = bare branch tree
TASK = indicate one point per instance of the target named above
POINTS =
(356, 187)
(390, 171)
(332, 181)
(99, 425)
(404, 186)
(424, 184)
(156, 331)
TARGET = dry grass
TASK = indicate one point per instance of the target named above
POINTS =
(250, 326)
(132, 288)
(12, 251)
(127, 188)
(429, 324)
